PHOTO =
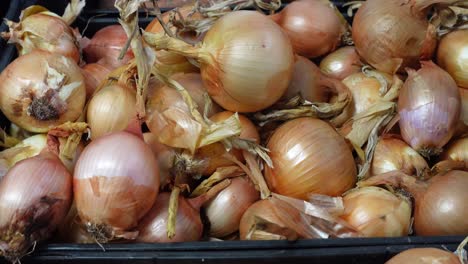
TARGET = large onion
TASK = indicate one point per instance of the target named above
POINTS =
(452, 56)
(309, 156)
(341, 63)
(41, 90)
(424, 256)
(429, 108)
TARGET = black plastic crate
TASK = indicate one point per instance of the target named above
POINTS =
(335, 251)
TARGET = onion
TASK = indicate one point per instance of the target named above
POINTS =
(35, 197)
(463, 124)
(423, 256)
(429, 108)
(440, 202)
(393, 154)
(94, 74)
(341, 63)
(309, 156)
(106, 45)
(110, 110)
(114, 190)
(225, 210)
(314, 27)
(246, 60)
(452, 56)
(457, 151)
(393, 35)
(376, 212)
(41, 90)
(164, 154)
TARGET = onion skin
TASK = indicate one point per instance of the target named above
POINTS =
(35, 197)
(225, 210)
(164, 154)
(424, 256)
(341, 63)
(429, 108)
(376, 212)
(393, 35)
(94, 74)
(463, 124)
(309, 156)
(28, 91)
(457, 151)
(314, 27)
(265, 210)
(452, 56)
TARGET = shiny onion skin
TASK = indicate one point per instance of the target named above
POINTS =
(376, 212)
(429, 109)
(265, 210)
(116, 181)
(313, 26)
(393, 35)
(457, 151)
(225, 211)
(35, 197)
(341, 63)
(94, 74)
(106, 44)
(452, 56)
(41, 90)
(309, 156)
(424, 256)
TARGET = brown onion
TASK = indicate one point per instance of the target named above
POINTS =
(457, 151)
(452, 56)
(94, 74)
(424, 256)
(164, 154)
(376, 212)
(41, 90)
(315, 27)
(309, 156)
(463, 124)
(341, 63)
(429, 109)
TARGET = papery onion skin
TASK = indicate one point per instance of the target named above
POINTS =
(265, 210)
(393, 35)
(424, 256)
(376, 212)
(35, 197)
(94, 74)
(32, 97)
(314, 27)
(452, 56)
(110, 110)
(341, 63)
(114, 189)
(309, 156)
(225, 210)
(251, 62)
(429, 109)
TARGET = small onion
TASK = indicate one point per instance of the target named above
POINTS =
(94, 74)
(225, 210)
(41, 90)
(376, 212)
(110, 110)
(309, 156)
(457, 151)
(452, 56)
(429, 109)
(341, 63)
(424, 256)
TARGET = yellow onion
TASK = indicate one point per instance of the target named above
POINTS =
(309, 156)
(341, 63)
(392, 153)
(110, 110)
(164, 154)
(41, 90)
(452, 56)
(463, 124)
(429, 109)
(457, 151)
(246, 60)
(424, 256)
(94, 74)
(376, 212)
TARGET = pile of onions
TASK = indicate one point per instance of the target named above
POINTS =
(225, 210)
(309, 156)
(41, 90)
(376, 212)
(35, 197)
(106, 45)
(111, 109)
(246, 60)
(341, 63)
(393, 154)
(94, 74)
(393, 35)
(114, 189)
(440, 202)
(423, 256)
(315, 27)
(451, 56)
(429, 108)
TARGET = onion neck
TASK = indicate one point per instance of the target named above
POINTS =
(197, 202)
(161, 41)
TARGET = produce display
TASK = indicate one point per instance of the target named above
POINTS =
(237, 120)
